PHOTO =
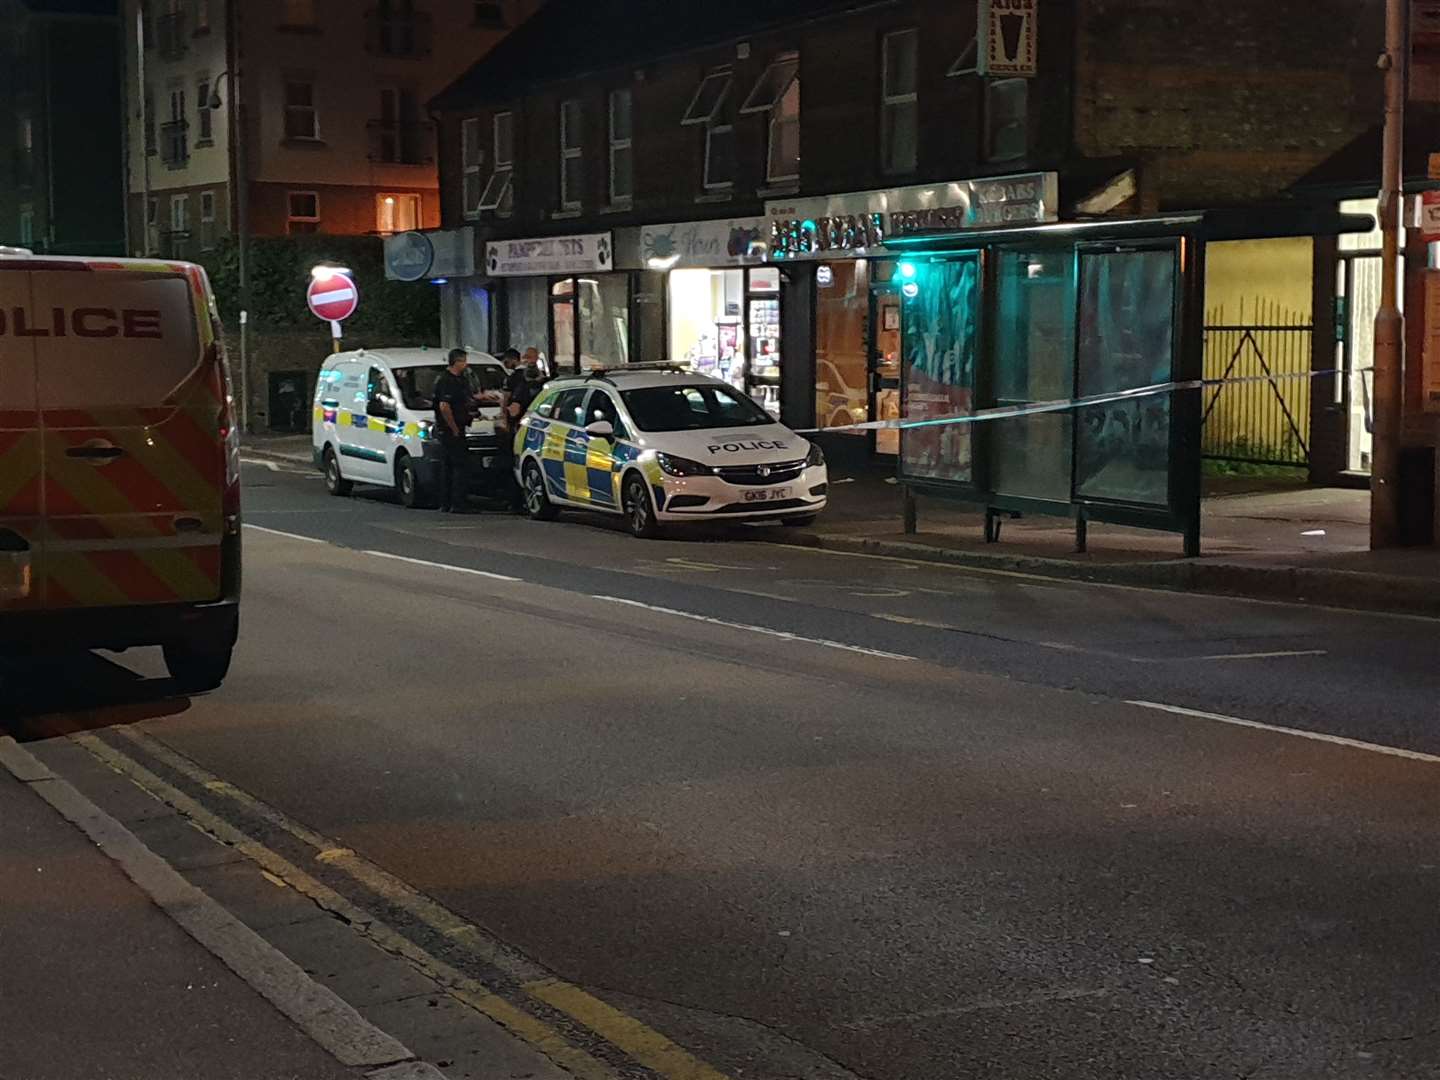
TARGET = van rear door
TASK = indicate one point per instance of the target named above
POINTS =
(21, 551)
(130, 390)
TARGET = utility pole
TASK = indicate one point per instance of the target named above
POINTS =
(145, 121)
(240, 191)
(1389, 322)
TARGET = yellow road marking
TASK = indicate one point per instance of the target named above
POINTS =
(634, 1037)
(644, 1044)
(470, 991)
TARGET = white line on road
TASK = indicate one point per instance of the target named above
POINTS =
(287, 535)
(1315, 736)
(1257, 655)
(767, 631)
(272, 466)
(442, 566)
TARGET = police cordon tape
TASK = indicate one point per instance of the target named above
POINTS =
(1035, 408)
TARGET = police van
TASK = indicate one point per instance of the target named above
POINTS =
(120, 485)
(374, 417)
(659, 445)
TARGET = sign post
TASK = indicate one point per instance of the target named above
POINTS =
(333, 297)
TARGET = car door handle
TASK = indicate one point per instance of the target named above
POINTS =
(98, 451)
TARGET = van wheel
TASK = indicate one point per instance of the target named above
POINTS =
(537, 499)
(195, 671)
(639, 510)
(407, 483)
(334, 482)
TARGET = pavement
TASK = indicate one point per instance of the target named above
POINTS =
(1262, 538)
(720, 807)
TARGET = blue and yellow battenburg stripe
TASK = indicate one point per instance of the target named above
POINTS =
(586, 470)
(344, 418)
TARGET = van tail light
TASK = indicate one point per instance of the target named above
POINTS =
(228, 438)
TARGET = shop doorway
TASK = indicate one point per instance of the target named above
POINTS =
(858, 340)
(590, 322)
(1358, 285)
(885, 352)
(762, 343)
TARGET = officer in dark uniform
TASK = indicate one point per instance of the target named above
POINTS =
(454, 409)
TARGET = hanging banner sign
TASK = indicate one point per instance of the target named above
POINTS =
(1007, 30)
(591, 252)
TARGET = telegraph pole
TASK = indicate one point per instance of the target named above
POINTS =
(1389, 322)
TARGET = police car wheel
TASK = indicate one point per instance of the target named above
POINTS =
(195, 671)
(407, 483)
(537, 500)
(334, 482)
(639, 510)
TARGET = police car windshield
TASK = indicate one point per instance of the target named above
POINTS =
(692, 408)
(417, 384)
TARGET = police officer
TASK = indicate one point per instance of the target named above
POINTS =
(454, 409)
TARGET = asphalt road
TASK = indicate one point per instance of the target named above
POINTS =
(821, 815)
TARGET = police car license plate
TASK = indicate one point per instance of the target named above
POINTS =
(768, 495)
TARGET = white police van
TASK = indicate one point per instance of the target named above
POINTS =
(659, 445)
(373, 418)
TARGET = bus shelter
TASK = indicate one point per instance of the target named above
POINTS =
(1058, 369)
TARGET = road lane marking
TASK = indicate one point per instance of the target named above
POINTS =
(635, 1038)
(286, 535)
(1314, 736)
(472, 992)
(784, 635)
(644, 1044)
(982, 1005)
(441, 566)
(272, 466)
(1252, 655)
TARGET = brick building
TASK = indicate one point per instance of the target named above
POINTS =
(693, 182)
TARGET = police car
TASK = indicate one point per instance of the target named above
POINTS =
(659, 445)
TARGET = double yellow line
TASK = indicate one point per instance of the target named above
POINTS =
(639, 1041)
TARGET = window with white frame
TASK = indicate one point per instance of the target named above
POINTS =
(711, 107)
(900, 101)
(397, 213)
(207, 220)
(622, 160)
(152, 226)
(1007, 111)
(778, 93)
(499, 190)
(179, 213)
(27, 225)
(472, 162)
(968, 63)
(572, 155)
(303, 212)
(301, 119)
(205, 128)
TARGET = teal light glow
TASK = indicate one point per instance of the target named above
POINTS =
(908, 271)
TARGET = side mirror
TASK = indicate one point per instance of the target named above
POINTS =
(601, 429)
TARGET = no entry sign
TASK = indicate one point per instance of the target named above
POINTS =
(332, 297)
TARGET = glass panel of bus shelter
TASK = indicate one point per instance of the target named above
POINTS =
(842, 302)
(941, 333)
(1034, 360)
(885, 358)
(1127, 341)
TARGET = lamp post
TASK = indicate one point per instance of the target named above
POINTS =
(1389, 321)
(240, 185)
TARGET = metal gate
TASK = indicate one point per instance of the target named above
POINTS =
(1258, 408)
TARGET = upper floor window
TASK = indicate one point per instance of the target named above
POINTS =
(711, 107)
(204, 115)
(149, 109)
(301, 118)
(303, 212)
(778, 93)
(27, 225)
(899, 101)
(472, 161)
(207, 220)
(202, 16)
(572, 155)
(1007, 112)
(297, 13)
(622, 160)
(968, 62)
(499, 191)
(396, 29)
(489, 13)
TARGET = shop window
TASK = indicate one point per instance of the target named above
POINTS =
(706, 316)
(604, 320)
(622, 161)
(900, 101)
(572, 155)
(397, 213)
(303, 212)
(1007, 108)
(499, 192)
(472, 161)
(842, 392)
(778, 93)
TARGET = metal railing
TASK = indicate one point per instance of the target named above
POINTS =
(401, 144)
(1264, 420)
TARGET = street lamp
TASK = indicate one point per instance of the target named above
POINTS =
(241, 188)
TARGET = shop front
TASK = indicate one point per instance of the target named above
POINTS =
(835, 253)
